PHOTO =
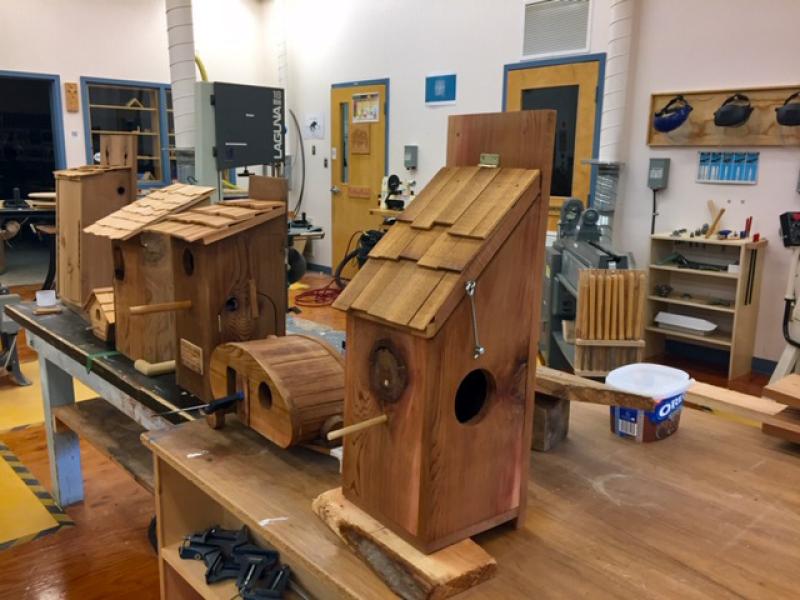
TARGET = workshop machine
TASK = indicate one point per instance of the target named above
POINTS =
(580, 244)
(789, 361)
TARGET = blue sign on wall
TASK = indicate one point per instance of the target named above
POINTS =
(440, 89)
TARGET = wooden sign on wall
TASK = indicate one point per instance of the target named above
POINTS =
(359, 139)
(761, 129)
(71, 96)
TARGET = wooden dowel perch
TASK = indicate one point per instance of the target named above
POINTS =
(146, 309)
(154, 369)
(335, 435)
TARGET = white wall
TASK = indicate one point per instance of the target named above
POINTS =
(715, 44)
(127, 39)
(403, 40)
(124, 39)
(679, 45)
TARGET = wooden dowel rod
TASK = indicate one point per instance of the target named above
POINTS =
(335, 435)
(146, 309)
(153, 369)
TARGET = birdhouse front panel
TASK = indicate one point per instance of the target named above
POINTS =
(229, 263)
(440, 323)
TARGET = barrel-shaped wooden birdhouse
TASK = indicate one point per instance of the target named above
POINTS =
(442, 324)
(293, 386)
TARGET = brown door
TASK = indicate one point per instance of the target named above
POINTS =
(358, 163)
(571, 89)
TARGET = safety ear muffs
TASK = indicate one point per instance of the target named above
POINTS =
(672, 115)
(789, 113)
(734, 112)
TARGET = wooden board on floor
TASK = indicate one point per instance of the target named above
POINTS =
(113, 434)
(786, 390)
(409, 572)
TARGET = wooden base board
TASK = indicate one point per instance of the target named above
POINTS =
(786, 390)
(407, 571)
(785, 425)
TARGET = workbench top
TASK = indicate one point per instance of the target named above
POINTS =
(711, 511)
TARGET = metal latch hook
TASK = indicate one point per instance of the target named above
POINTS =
(478, 350)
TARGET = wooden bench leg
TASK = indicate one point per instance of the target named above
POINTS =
(550, 422)
(63, 446)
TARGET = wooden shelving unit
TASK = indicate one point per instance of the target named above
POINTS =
(727, 298)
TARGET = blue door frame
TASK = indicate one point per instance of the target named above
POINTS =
(600, 58)
(56, 114)
(163, 122)
(385, 112)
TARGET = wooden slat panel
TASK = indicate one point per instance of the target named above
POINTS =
(202, 219)
(457, 204)
(461, 183)
(450, 252)
(372, 291)
(357, 284)
(403, 297)
(490, 207)
(429, 309)
(420, 243)
(429, 192)
(393, 242)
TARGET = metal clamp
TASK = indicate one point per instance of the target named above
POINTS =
(478, 350)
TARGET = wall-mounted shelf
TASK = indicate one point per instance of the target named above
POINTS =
(761, 129)
(736, 323)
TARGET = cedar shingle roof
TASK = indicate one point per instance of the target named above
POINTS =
(420, 262)
(131, 219)
(209, 224)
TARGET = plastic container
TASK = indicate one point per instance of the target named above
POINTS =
(45, 298)
(665, 385)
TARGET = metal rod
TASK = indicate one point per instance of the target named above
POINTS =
(478, 350)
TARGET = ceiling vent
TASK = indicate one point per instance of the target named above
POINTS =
(555, 27)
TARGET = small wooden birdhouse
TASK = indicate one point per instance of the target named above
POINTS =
(442, 327)
(142, 269)
(100, 308)
(229, 273)
(84, 195)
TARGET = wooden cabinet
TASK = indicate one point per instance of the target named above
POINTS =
(728, 298)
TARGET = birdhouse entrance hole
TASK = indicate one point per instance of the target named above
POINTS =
(264, 395)
(472, 396)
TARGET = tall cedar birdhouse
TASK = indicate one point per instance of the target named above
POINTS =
(229, 271)
(442, 323)
(142, 262)
(84, 195)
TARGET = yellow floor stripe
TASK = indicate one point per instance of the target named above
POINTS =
(22, 406)
(28, 510)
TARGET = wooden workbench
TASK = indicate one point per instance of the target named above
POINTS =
(708, 512)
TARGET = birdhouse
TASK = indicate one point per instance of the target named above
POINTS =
(442, 329)
(84, 195)
(100, 308)
(229, 273)
(142, 269)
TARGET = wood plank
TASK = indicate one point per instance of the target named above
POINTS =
(113, 434)
(724, 400)
(394, 241)
(450, 252)
(356, 285)
(406, 570)
(786, 390)
(374, 287)
(427, 194)
(579, 389)
(402, 298)
(429, 309)
(465, 184)
(493, 203)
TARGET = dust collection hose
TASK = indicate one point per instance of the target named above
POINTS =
(788, 307)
